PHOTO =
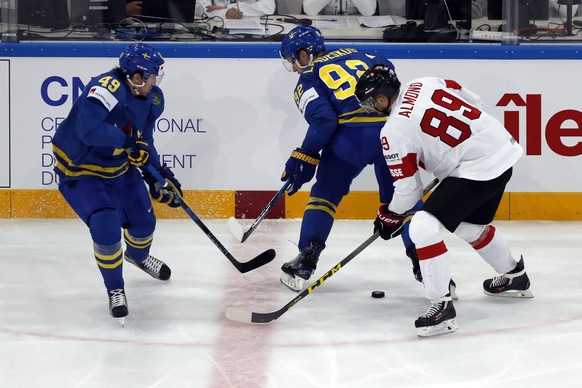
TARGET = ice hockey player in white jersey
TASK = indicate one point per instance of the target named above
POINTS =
(439, 126)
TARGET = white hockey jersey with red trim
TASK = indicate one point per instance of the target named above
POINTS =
(439, 126)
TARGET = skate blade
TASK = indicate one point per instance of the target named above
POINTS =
(121, 321)
(525, 294)
(293, 282)
(445, 327)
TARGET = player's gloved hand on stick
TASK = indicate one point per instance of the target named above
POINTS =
(137, 148)
(411, 253)
(388, 224)
(301, 168)
(164, 194)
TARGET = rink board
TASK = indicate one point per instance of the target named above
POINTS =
(222, 204)
(230, 122)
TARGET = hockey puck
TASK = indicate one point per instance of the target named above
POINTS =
(378, 294)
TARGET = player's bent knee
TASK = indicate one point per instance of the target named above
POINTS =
(144, 227)
(424, 227)
(470, 232)
(105, 226)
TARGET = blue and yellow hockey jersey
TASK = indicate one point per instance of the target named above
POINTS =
(89, 142)
(325, 95)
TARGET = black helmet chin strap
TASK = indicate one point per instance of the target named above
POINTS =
(391, 101)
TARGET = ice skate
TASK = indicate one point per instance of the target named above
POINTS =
(152, 266)
(514, 284)
(118, 305)
(300, 269)
(439, 319)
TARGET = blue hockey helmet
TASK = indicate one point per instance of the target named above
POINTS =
(307, 38)
(140, 57)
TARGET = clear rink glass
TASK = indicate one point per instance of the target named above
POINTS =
(510, 39)
(510, 25)
(9, 22)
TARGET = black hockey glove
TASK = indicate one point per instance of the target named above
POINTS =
(411, 253)
(301, 168)
(137, 148)
(164, 194)
(387, 223)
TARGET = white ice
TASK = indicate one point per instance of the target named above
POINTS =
(55, 329)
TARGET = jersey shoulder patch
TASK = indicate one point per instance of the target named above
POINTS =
(104, 96)
(307, 96)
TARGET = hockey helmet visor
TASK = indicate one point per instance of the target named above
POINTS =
(377, 80)
(306, 38)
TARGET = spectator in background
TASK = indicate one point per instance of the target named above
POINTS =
(561, 10)
(133, 8)
(394, 8)
(232, 9)
(340, 7)
(479, 9)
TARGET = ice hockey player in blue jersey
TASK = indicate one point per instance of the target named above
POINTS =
(345, 135)
(99, 148)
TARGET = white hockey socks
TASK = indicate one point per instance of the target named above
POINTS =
(432, 254)
(489, 244)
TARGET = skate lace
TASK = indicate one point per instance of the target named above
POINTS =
(117, 297)
(500, 280)
(153, 264)
(432, 310)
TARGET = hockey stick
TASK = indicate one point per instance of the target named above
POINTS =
(236, 228)
(241, 315)
(258, 261)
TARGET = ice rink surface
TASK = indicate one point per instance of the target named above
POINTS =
(55, 329)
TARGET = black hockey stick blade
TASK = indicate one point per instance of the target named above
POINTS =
(256, 262)
(236, 229)
(241, 315)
